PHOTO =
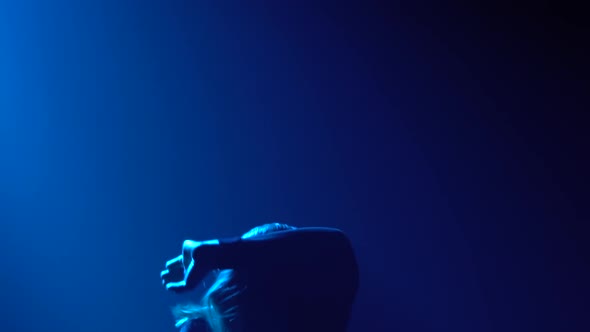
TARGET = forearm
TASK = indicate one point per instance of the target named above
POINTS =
(284, 245)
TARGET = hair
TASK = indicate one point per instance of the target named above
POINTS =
(219, 306)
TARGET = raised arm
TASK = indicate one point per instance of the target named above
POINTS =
(302, 244)
(307, 253)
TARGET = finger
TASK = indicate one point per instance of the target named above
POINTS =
(172, 269)
(180, 286)
(174, 261)
(187, 252)
(173, 275)
(165, 276)
(176, 287)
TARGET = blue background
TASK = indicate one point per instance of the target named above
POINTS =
(441, 139)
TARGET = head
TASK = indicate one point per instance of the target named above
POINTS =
(219, 307)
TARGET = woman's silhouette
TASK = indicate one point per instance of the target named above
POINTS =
(273, 278)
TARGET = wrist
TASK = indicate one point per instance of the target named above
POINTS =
(205, 255)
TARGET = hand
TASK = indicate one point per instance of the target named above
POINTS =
(182, 273)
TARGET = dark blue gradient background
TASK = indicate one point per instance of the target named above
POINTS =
(445, 141)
